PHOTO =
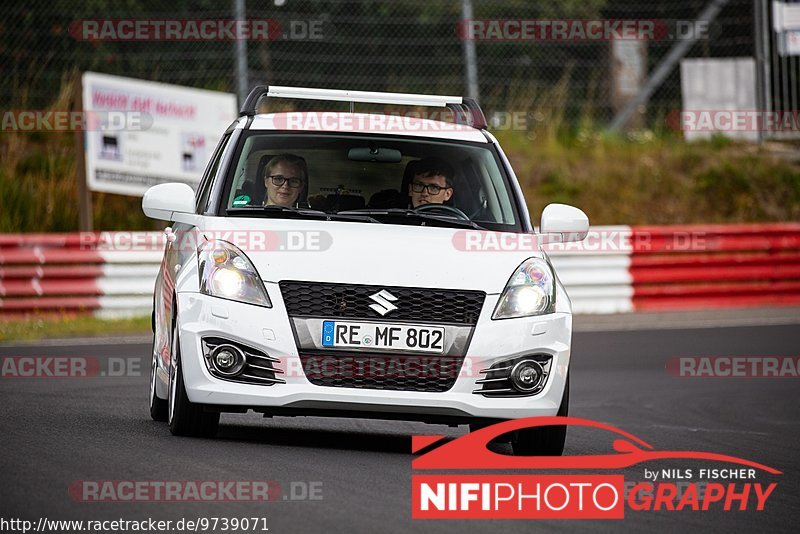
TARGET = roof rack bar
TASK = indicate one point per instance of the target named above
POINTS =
(464, 108)
(370, 97)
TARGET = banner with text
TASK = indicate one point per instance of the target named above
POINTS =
(149, 133)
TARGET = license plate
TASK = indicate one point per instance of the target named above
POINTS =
(343, 334)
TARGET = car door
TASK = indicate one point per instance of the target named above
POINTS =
(181, 240)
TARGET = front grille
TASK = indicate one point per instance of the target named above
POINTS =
(386, 372)
(259, 369)
(414, 304)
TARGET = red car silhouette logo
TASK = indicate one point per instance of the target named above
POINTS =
(471, 452)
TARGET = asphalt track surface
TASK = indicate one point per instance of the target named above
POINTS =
(56, 431)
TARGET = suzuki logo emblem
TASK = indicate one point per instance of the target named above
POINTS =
(382, 299)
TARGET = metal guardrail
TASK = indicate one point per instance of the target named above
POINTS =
(77, 273)
(716, 266)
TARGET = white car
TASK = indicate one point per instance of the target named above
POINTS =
(330, 264)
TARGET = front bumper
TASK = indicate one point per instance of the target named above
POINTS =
(268, 329)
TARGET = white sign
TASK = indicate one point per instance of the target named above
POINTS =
(630, 66)
(717, 93)
(791, 43)
(785, 16)
(144, 133)
(786, 23)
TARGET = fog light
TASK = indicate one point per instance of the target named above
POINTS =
(228, 360)
(225, 359)
(527, 375)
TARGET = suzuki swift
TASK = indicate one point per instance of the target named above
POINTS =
(337, 264)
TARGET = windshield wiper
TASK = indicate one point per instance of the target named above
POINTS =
(300, 213)
(406, 214)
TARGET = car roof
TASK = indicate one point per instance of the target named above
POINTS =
(366, 123)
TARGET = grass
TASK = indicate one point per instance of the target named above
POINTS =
(41, 327)
(39, 188)
(657, 179)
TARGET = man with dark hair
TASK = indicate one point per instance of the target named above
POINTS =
(285, 177)
(432, 182)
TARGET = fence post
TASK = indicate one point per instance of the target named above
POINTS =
(468, 47)
(761, 36)
(240, 51)
(85, 219)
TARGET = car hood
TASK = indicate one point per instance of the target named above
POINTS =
(364, 253)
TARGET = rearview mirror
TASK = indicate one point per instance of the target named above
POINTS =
(164, 201)
(375, 154)
(564, 223)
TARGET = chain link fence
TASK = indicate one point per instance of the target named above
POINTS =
(404, 45)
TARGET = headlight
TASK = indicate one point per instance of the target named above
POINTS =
(225, 272)
(530, 291)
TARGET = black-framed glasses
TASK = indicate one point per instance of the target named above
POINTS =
(279, 179)
(433, 189)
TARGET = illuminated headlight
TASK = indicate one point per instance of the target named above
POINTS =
(225, 272)
(530, 291)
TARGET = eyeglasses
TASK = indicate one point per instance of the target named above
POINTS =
(433, 189)
(279, 179)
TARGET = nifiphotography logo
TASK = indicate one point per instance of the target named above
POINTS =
(593, 492)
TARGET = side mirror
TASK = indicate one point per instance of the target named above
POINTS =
(163, 201)
(567, 222)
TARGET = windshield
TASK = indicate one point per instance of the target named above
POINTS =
(370, 179)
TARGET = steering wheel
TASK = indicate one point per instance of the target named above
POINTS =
(442, 207)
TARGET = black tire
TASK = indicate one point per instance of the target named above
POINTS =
(545, 440)
(158, 407)
(185, 417)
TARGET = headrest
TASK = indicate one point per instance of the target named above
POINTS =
(388, 198)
